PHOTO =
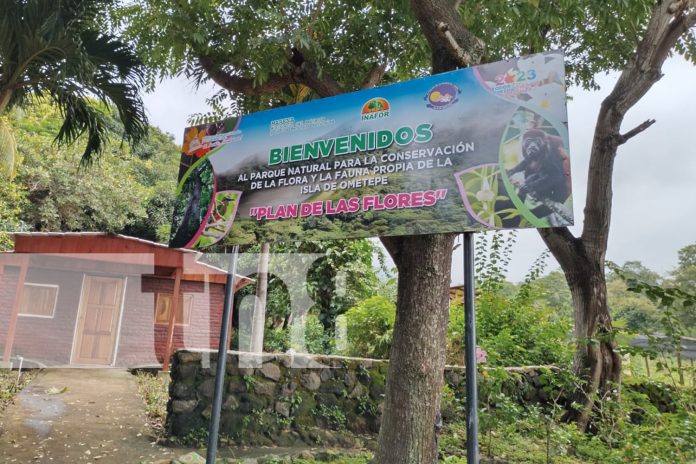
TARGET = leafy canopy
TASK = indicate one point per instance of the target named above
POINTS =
(56, 51)
(129, 191)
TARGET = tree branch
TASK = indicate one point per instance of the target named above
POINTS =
(300, 71)
(374, 77)
(239, 84)
(455, 50)
(324, 85)
(668, 22)
(393, 247)
(452, 45)
(623, 138)
(563, 245)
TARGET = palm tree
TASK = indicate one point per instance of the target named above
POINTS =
(54, 50)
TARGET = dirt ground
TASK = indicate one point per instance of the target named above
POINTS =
(79, 415)
(89, 415)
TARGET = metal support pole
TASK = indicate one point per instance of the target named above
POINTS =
(472, 455)
(222, 358)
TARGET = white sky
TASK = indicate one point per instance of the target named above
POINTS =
(654, 207)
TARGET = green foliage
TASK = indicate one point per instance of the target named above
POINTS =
(370, 328)
(515, 333)
(514, 325)
(673, 304)
(335, 417)
(310, 337)
(154, 390)
(173, 37)
(532, 26)
(56, 52)
(12, 201)
(122, 193)
(249, 382)
(650, 423)
(342, 276)
(684, 278)
(275, 340)
(367, 406)
(11, 383)
(552, 289)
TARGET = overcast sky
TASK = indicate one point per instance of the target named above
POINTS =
(654, 208)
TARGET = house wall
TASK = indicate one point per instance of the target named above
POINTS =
(8, 282)
(144, 342)
(44, 339)
(140, 341)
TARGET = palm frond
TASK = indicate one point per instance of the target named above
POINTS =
(55, 50)
(80, 117)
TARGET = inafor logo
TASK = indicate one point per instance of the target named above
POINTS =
(375, 108)
(442, 96)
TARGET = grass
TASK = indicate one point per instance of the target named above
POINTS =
(630, 431)
(663, 368)
(154, 390)
(10, 385)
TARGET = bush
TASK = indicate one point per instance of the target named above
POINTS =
(512, 331)
(370, 328)
(517, 332)
(316, 340)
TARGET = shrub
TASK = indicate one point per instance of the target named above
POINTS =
(370, 328)
(316, 340)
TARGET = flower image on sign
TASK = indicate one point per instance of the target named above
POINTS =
(477, 148)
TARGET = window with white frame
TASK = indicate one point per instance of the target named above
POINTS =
(38, 300)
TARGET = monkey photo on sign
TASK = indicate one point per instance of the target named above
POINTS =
(544, 172)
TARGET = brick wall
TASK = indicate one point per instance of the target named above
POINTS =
(142, 341)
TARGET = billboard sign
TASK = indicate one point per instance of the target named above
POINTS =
(478, 148)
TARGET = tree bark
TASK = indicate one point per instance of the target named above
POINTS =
(582, 259)
(417, 358)
(596, 361)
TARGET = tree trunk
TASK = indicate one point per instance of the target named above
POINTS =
(582, 258)
(259, 318)
(417, 358)
(596, 359)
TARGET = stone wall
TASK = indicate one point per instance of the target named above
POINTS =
(296, 399)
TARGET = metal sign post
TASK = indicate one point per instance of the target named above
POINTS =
(222, 358)
(472, 456)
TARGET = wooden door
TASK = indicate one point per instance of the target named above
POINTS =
(97, 323)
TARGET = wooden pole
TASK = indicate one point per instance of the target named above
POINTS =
(172, 318)
(647, 366)
(679, 366)
(12, 325)
(259, 320)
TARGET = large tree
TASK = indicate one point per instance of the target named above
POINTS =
(55, 50)
(255, 49)
(128, 191)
